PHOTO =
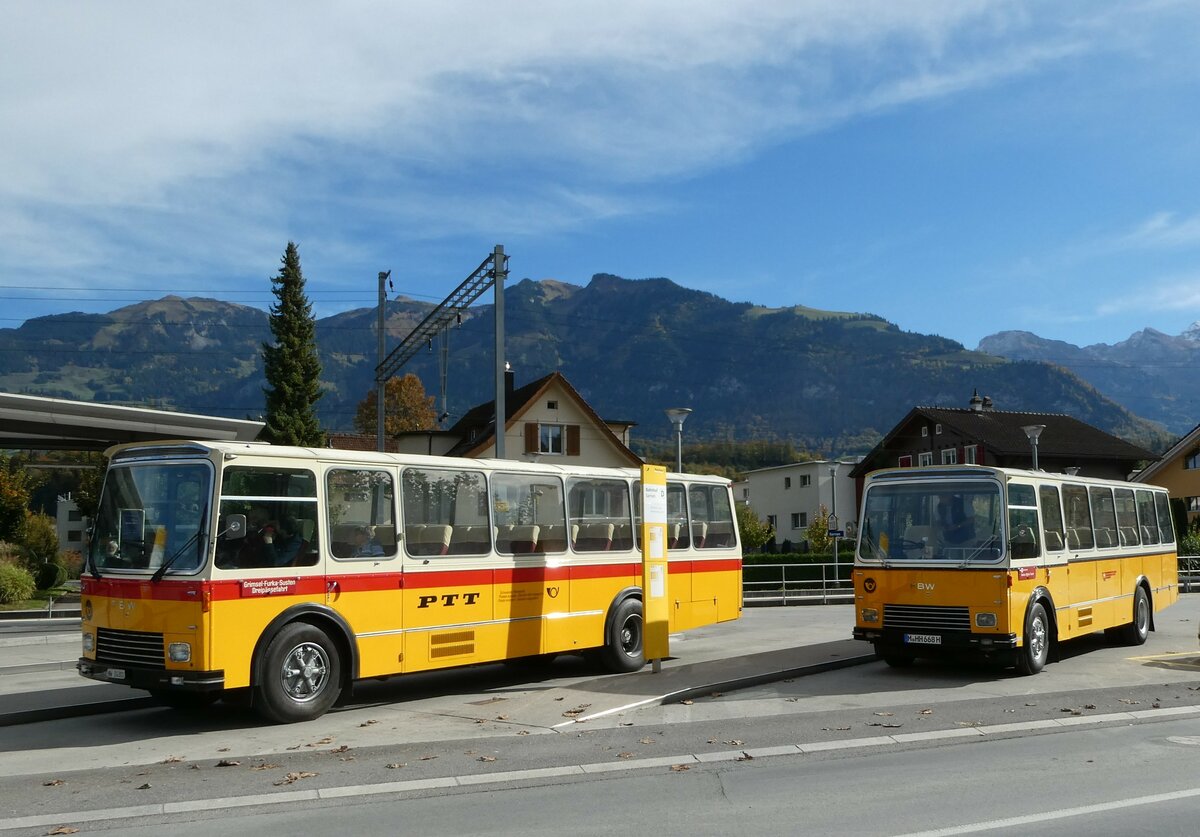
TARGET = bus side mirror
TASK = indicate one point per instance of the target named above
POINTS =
(232, 527)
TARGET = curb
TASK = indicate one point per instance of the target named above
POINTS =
(75, 710)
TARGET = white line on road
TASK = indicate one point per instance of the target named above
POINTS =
(643, 764)
(1047, 816)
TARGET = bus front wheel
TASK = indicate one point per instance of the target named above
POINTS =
(623, 650)
(300, 677)
(1032, 656)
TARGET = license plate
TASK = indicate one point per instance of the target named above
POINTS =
(922, 639)
(114, 673)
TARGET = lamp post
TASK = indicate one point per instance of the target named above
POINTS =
(1033, 431)
(678, 415)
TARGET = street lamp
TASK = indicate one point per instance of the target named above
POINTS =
(1033, 431)
(678, 415)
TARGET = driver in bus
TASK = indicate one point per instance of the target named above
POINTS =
(955, 521)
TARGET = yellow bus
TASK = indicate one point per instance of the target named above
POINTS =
(1006, 563)
(285, 574)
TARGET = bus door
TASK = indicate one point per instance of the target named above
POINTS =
(363, 578)
(1081, 566)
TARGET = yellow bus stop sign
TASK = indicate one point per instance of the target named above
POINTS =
(656, 607)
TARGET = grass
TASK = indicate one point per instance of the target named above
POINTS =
(41, 597)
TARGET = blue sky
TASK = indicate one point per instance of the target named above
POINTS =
(959, 167)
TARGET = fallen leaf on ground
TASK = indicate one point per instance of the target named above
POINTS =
(428, 758)
(646, 740)
(885, 714)
(340, 749)
(395, 765)
(625, 755)
(172, 760)
(735, 742)
(717, 694)
(295, 776)
(326, 740)
(745, 757)
(522, 732)
(146, 786)
(885, 726)
(63, 829)
(228, 763)
(679, 768)
(487, 758)
(368, 723)
(501, 717)
(687, 702)
(926, 712)
(266, 765)
(577, 711)
(53, 783)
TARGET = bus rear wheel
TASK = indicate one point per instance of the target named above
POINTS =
(1032, 656)
(1136, 632)
(300, 676)
(623, 650)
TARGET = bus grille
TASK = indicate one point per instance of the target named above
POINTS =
(136, 648)
(926, 618)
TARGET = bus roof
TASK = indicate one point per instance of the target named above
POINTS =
(230, 450)
(985, 471)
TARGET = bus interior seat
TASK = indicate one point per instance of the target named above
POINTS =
(1054, 540)
(552, 537)
(594, 537)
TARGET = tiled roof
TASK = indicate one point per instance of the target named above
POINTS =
(1064, 435)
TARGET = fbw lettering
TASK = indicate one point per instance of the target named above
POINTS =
(449, 599)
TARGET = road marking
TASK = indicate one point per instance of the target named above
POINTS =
(1065, 813)
(474, 779)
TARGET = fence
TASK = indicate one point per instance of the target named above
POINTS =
(789, 584)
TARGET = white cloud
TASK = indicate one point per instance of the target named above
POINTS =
(1172, 293)
(1164, 230)
(157, 129)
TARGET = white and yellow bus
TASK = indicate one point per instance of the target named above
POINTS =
(1006, 563)
(285, 574)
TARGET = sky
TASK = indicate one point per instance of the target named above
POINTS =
(958, 167)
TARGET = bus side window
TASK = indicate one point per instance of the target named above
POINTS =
(1052, 520)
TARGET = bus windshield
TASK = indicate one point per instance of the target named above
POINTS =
(952, 521)
(150, 514)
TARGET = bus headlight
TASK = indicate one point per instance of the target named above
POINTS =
(985, 620)
(180, 652)
(89, 643)
(870, 614)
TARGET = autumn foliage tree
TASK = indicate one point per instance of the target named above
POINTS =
(406, 407)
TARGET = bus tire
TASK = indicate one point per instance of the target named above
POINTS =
(1136, 632)
(1033, 654)
(623, 651)
(301, 675)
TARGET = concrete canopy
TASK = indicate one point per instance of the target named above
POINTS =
(35, 423)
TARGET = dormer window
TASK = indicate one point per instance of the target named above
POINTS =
(937, 429)
(924, 431)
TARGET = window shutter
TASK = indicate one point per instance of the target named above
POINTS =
(531, 437)
(572, 440)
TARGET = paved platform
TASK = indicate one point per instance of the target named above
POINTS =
(38, 680)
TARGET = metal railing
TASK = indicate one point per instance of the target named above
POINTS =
(788, 584)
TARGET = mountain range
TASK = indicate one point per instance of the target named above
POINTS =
(1152, 374)
(832, 382)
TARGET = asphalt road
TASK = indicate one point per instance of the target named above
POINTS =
(866, 750)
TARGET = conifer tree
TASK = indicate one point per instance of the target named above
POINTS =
(291, 366)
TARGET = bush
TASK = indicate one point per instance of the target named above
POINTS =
(16, 584)
(49, 575)
(72, 559)
(1189, 544)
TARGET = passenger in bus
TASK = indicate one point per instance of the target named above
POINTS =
(956, 522)
(287, 542)
(365, 544)
(255, 549)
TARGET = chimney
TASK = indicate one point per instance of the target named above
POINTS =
(987, 404)
(976, 403)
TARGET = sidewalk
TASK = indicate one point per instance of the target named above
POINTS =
(38, 680)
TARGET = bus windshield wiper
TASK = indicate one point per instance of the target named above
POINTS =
(194, 539)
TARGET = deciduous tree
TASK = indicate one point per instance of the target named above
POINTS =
(405, 407)
(754, 531)
(291, 365)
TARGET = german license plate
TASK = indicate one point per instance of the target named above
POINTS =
(114, 673)
(922, 639)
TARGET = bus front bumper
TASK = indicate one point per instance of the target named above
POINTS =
(155, 679)
(932, 642)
